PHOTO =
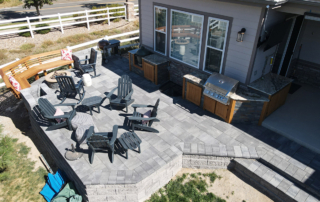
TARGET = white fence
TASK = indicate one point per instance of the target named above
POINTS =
(65, 19)
(89, 43)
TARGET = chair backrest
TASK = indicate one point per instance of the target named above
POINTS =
(76, 62)
(93, 56)
(46, 108)
(66, 84)
(124, 86)
(154, 111)
(98, 141)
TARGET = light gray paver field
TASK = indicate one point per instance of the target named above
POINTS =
(189, 137)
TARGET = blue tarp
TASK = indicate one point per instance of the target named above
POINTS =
(53, 185)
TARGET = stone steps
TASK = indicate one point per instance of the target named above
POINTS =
(278, 186)
(299, 178)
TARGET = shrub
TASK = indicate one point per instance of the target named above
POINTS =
(79, 20)
(27, 46)
(25, 34)
(46, 44)
(116, 12)
(116, 20)
(43, 31)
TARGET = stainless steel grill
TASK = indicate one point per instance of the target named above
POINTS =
(220, 87)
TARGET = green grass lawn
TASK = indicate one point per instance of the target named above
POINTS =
(188, 187)
(18, 180)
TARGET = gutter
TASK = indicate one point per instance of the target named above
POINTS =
(267, 2)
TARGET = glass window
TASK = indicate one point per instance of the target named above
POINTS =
(215, 46)
(186, 34)
(160, 29)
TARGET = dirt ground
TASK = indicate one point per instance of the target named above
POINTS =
(230, 187)
(15, 120)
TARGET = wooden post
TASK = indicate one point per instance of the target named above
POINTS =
(183, 87)
(231, 111)
(30, 27)
(129, 61)
(156, 74)
(108, 16)
(61, 26)
(88, 24)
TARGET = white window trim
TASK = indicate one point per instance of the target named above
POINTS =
(198, 66)
(155, 30)
(206, 44)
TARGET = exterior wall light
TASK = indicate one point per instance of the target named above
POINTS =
(241, 34)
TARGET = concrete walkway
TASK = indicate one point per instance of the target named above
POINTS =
(299, 118)
(185, 129)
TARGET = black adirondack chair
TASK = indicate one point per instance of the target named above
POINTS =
(87, 67)
(137, 118)
(48, 110)
(101, 141)
(125, 92)
(68, 87)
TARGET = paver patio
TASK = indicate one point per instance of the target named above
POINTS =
(189, 137)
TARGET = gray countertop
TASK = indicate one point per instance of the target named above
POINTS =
(247, 95)
(133, 51)
(271, 83)
(197, 78)
(155, 59)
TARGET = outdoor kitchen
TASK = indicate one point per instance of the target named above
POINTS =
(225, 97)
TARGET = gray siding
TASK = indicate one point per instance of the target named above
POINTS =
(239, 54)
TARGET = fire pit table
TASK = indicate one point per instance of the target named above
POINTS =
(51, 80)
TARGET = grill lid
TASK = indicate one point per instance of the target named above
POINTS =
(221, 83)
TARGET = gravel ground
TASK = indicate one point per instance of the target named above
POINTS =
(11, 42)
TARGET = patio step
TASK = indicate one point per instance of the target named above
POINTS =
(311, 183)
(278, 186)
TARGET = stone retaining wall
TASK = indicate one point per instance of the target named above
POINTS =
(136, 192)
(206, 162)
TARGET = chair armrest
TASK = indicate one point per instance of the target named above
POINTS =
(89, 132)
(111, 93)
(128, 97)
(67, 104)
(84, 60)
(79, 84)
(132, 118)
(114, 134)
(58, 117)
(141, 106)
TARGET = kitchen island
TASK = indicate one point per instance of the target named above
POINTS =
(276, 87)
(245, 105)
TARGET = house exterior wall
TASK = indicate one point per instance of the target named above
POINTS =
(238, 56)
